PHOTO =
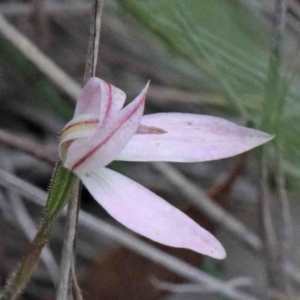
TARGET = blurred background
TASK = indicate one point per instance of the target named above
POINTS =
(229, 58)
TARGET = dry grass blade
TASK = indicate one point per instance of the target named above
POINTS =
(276, 219)
(68, 259)
(28, 146)
(50, 8)
(39, 59)
(198, 288)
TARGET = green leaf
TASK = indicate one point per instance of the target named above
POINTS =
(63, 180)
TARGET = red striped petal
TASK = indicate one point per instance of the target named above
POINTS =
(102, 147)
(100, 98)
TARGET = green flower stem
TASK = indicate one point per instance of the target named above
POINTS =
(63, 181)
(29, 263)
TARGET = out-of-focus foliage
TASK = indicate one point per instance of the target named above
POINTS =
(225, 47)
(29, 73)
(213, 38)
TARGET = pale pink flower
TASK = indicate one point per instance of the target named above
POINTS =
(102, 131)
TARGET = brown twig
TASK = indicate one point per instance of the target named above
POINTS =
(40, 19)
(28, 146)
(225, 184)
(268, 228)
(93, 44)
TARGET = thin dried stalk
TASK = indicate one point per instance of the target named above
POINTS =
(198, 288)
(276, 217)
(93, 44)
(68, 259)
(49, 8)
(28, 146)
(39, 59)
(268, 228)
(64, 281)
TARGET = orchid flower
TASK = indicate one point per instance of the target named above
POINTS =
(102, 131)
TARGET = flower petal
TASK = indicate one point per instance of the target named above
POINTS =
(79, 127)
(109, 140)
(100, 98)
(147, 214)
(89, 99)
(191, 138)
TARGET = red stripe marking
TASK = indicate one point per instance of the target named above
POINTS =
(109, 100)
(78, 123)
(144, 129)
(97, 147)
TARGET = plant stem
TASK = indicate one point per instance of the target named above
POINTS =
(69, 241)
(275, 215)
(68, 259)
(62, 183)
(30, 261)
(93, 44)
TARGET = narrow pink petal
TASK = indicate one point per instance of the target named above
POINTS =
(113, 101)
(109, 140)
(101, 98)
(191, 138)
(79, 127)
(147, 214)
(89, 99)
